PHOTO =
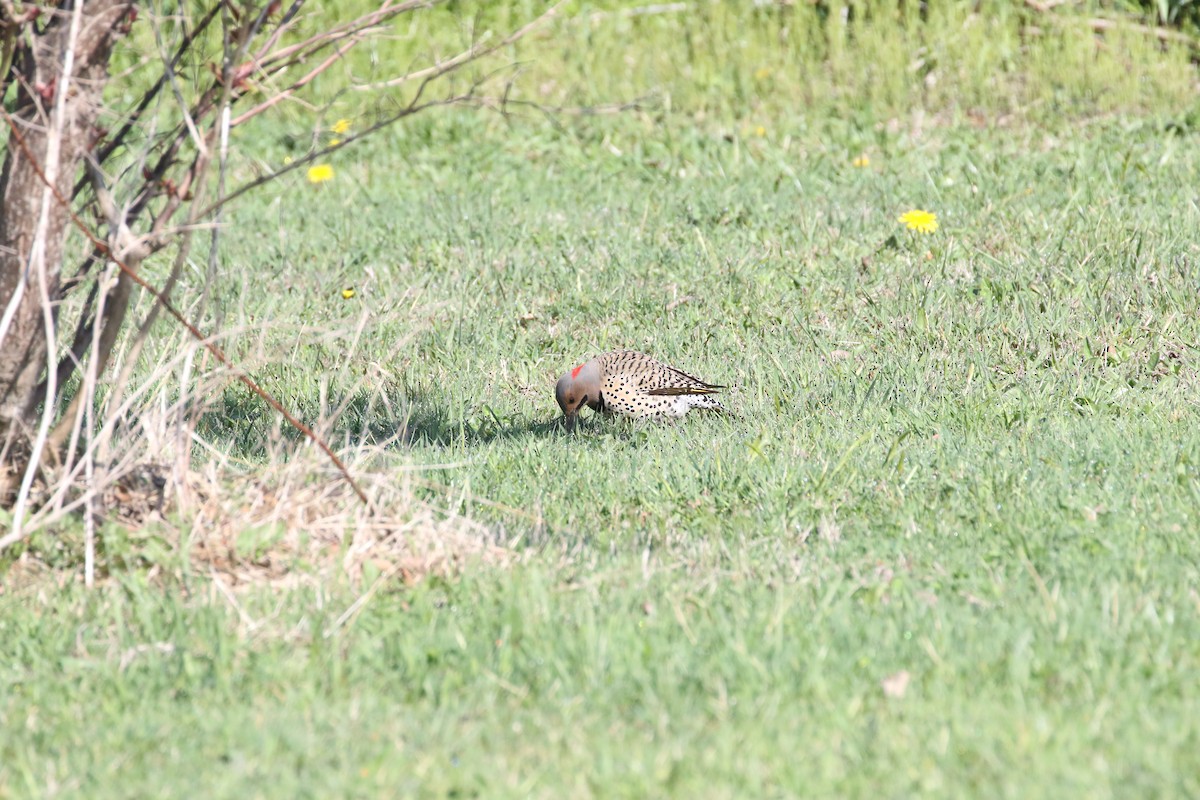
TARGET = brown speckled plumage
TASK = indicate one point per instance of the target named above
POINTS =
(635, 385)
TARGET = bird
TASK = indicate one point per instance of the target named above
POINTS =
(632, 384)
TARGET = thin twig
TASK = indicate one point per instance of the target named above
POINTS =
(37, 265)
(125, 250)
(1045, 5)
(88, 424)
(1102, 25)
(407, 111)
(169, 72)
(473, 53)
(414, 106)
(195, 332)
(196, 175)
(300, 84)
(228, 81)
(641, 11)
(285, 23)
(131, 122)
(307, 48)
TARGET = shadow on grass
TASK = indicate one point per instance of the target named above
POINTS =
(430, 424)
(244, 422)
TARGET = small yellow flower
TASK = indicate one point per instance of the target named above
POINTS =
(760, 131)
(334, 142)
(862, 161)
(920, 221)
(762, 73)
(347, 293)
(341, 126)
(319, 173)
(288, 159)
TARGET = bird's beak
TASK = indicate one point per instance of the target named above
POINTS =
(569, 421)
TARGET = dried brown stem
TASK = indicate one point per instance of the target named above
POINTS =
(268, 61)
(131, 122)
(472, 53)
(1102, 25)
(304, 81)
(407, 111)
(176, 165)
(217, 353)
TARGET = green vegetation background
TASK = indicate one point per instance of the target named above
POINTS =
(947, 546)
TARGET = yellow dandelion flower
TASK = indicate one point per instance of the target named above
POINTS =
(920, 221)
(862, 161)
(334, 142)
(760, 131)
(319, 173)
(762, 73)
(347, 293)
(341, 126)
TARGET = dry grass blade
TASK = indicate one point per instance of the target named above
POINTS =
(286, 521)
(192, 329)
(473, 53)
(42, 270)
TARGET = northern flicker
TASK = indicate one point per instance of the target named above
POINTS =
(634, 385)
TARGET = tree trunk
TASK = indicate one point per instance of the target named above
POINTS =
(37, 68)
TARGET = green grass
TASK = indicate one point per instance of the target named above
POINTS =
(972, 456)
(755, 678)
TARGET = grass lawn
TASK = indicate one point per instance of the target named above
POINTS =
(947, 544)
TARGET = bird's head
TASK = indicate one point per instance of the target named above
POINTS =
(578, 387)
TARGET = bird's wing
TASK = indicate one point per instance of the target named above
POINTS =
(679, 382)
(678, 390)
(655, 377)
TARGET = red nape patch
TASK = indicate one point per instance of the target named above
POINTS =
(575, 372)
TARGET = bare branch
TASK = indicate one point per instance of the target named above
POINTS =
(407, 111)
(266, 60)
(1101, 25)
(473, 53)
(289, 91)
(131, 122)
(171, 170)
(169, 73)
(39, 267)
(195, 332)
(414, 106)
